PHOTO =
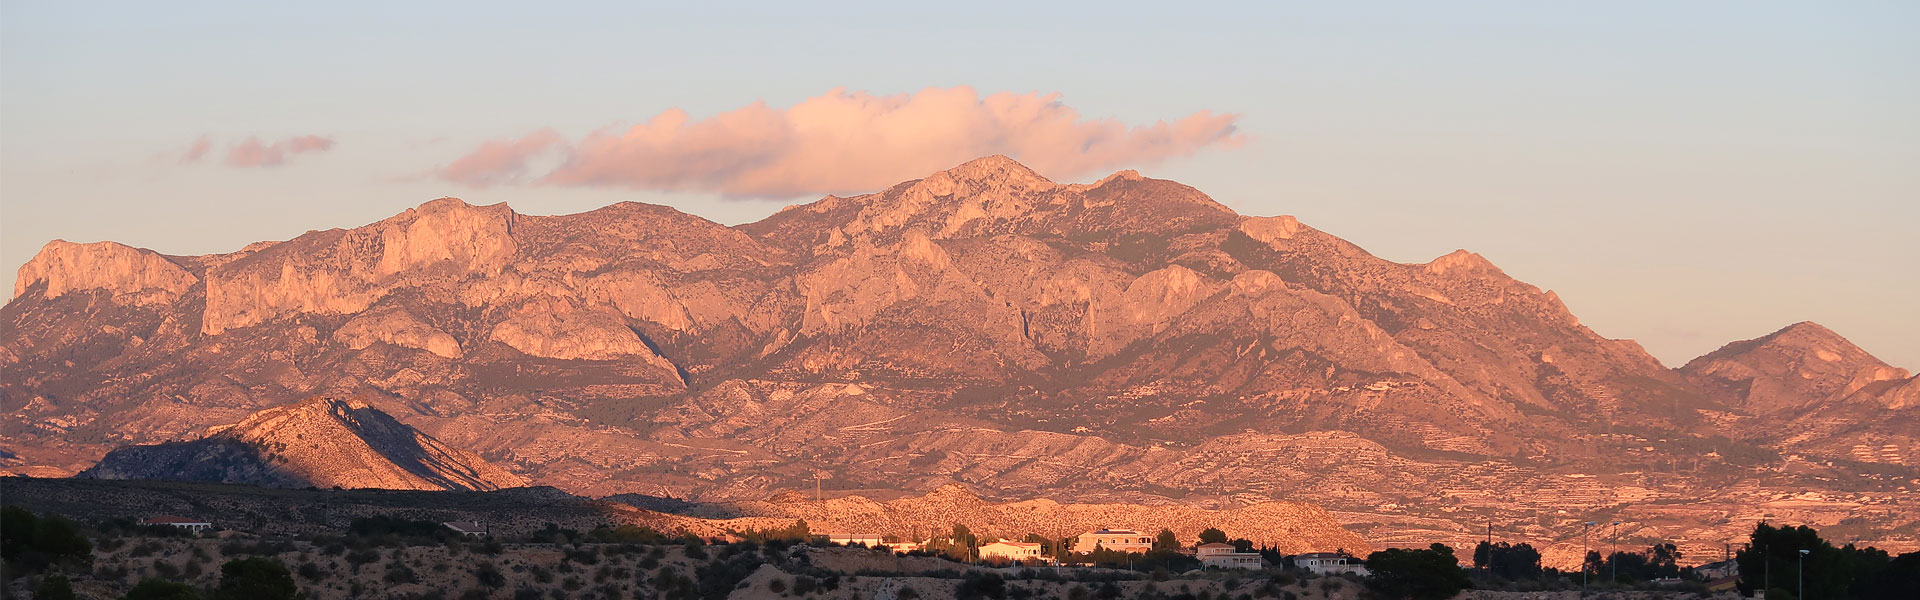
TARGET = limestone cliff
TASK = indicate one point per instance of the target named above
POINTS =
(118, 269)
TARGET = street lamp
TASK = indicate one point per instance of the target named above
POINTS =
(1802, 576)
(1583, 557)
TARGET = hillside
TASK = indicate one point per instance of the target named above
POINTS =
(318, 443)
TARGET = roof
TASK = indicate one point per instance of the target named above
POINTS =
(1014, 544)
(1322, 555)
(172, 520)
(1116, 532)
(466, 526)
(853, 535)
(1216, 545)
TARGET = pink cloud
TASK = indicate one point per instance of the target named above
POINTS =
(251, 152)
(197, 151)
(843, 142)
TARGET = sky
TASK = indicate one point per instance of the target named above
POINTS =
(1682, 174)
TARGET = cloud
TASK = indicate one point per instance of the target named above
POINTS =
(251, 152)
(197, 151)
(840, 142)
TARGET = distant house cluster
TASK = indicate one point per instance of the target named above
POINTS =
(1211, 555)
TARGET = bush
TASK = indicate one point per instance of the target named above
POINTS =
(489, 575)
(29, 543)
(156, 589)
(53, 587)
(978, 585)
(255, 579)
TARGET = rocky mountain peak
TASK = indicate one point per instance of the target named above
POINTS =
(117, 268)
(1800, 364)
(318, 442)
(1462, 261)
(995, 169)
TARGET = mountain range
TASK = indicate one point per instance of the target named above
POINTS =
(1127, 341)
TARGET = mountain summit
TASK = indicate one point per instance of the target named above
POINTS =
(321, 442)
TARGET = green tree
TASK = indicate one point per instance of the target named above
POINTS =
(1430, 574)
(160, 589)
(1213, 536)
(964, 542)
(1166, 541)
(1774, 553)
(53, 587)
(30, 543)
(255, 578)
(1508, 561)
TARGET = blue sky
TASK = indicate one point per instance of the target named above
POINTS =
(1683, 175)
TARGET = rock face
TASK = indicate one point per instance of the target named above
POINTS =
(1123, 341)
(322, 443)
(120, 270)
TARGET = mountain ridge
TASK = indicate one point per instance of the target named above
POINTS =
(1128, 340)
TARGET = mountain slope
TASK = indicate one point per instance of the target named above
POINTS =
(321, 443)
(1813, 391)
(1128, 340)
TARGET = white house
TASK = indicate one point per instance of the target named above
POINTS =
(467, 528)
(1123, 540)
(904, 546)
(1329, 563)
(1010, 551)
(193, 525)
(1225, 556)
(870, 540)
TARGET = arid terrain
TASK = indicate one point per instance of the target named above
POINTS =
(1124, 342)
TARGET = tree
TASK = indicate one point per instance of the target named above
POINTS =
(30, 543)
(1507, 561)
(1166, 540)
(1775, 553)
(255, 578)
(964, 542)
(1430, 574)
(160, 589)
(53, 587)
(1213, 536)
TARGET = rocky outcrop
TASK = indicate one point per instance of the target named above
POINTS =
(320, 442)
(344, 272)
(123, 271)
(397, 327)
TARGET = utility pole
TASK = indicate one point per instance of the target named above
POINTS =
(1614, 558)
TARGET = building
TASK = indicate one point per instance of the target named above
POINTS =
(870, 540)
(1711, 571)
(904, 546)
(1010, 552)
(1225, 556)
(1121, 540)
(467, 528)
(193, 525)
(1330, 563)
